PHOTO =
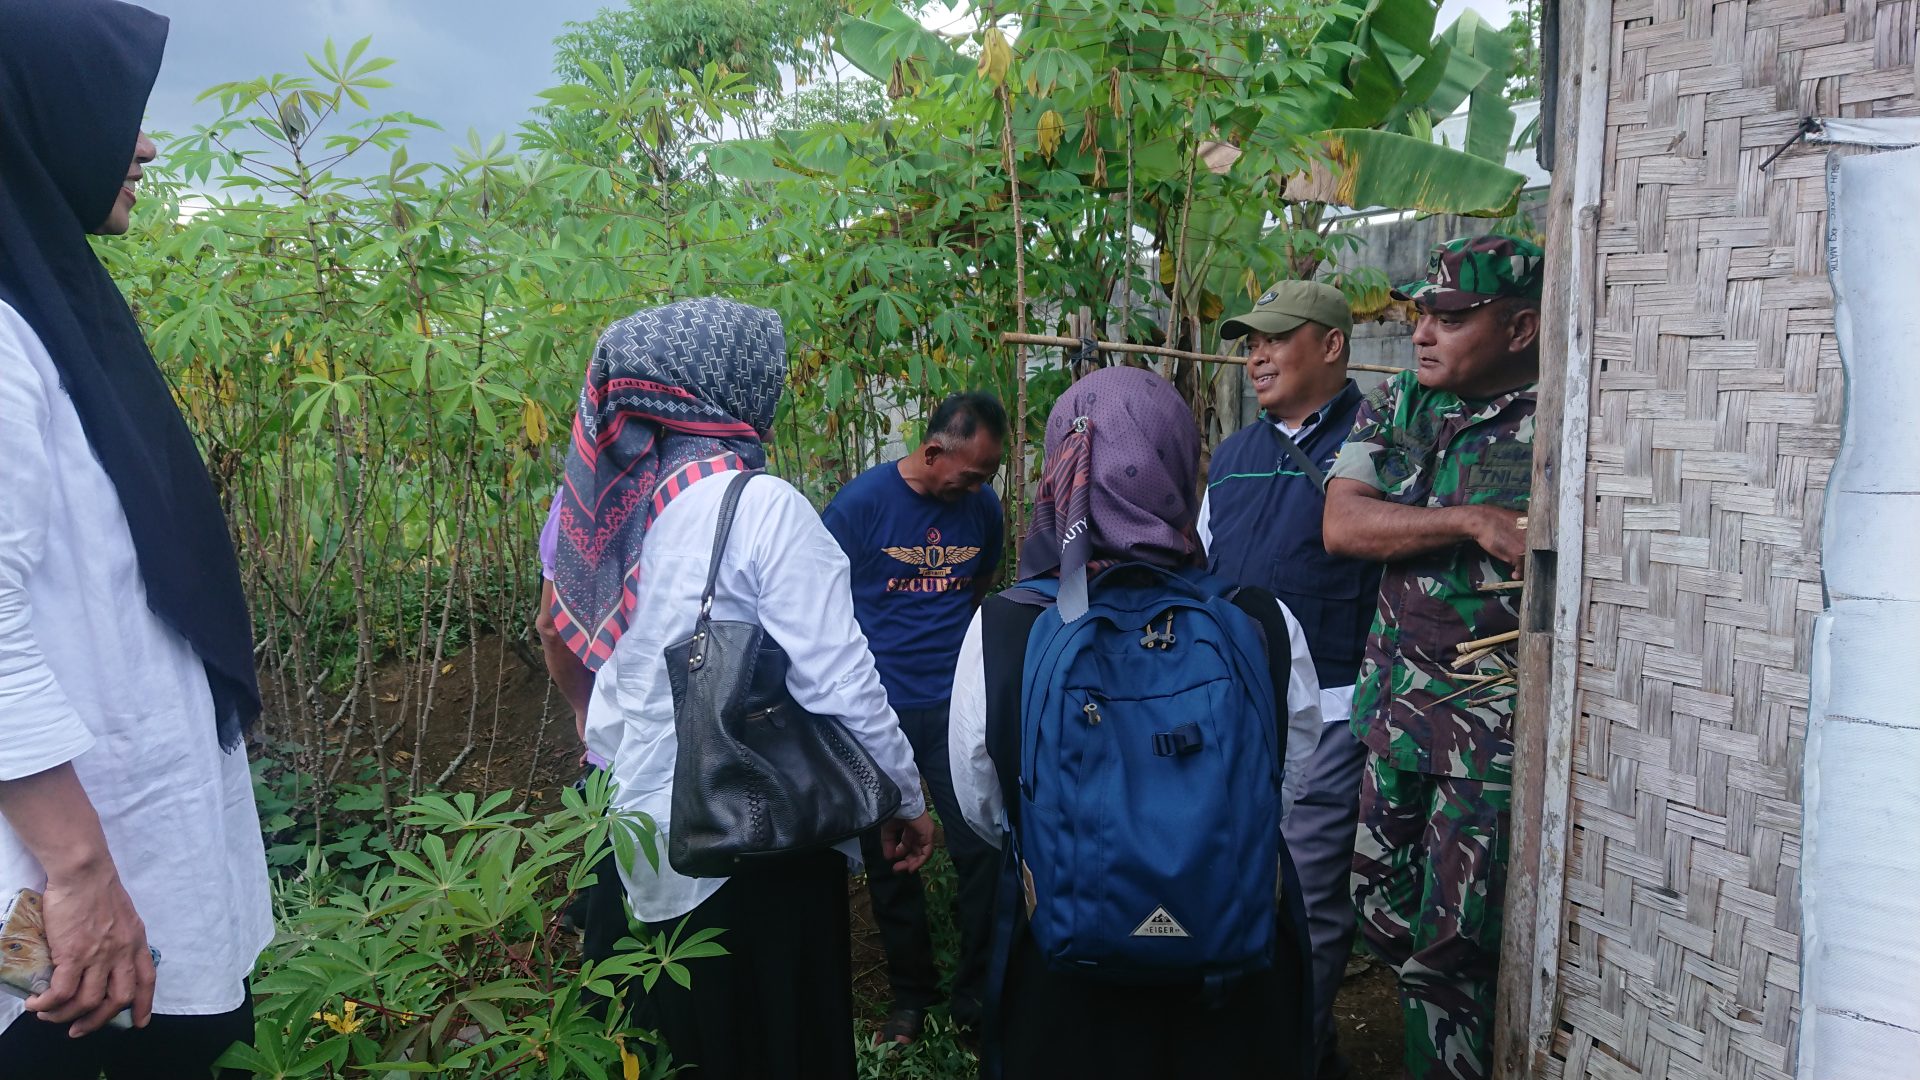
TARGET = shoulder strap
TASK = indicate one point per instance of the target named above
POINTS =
(721, 531)
(697, 653)
(1299, 456)
(1005, 625)
(1265, 610)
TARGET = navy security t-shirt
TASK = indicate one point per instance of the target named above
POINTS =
(915, 560)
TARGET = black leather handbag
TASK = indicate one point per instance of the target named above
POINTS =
(756, 777)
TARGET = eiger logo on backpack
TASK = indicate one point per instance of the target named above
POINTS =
(1160, 924)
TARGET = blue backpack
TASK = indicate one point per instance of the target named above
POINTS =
(1145, 817)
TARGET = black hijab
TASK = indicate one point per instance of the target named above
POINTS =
(74, 80)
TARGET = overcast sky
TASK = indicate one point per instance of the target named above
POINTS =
(461, 63)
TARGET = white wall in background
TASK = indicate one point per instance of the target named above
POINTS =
(1860, 880)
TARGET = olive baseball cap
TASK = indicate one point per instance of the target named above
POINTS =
(1469, 271)
(1287, 305)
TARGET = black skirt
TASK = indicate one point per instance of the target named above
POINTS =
(780, 1003)
(1058, 1024)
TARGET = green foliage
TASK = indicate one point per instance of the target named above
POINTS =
(447, 956)
(938, 1055)
(1523, 38)
(1399, 81)
(749, 37)
(324, 829)
(381, 354)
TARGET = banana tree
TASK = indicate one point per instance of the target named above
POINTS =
(1380, 107)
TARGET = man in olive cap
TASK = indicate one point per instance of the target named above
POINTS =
(1433, 481)
(1260, 521)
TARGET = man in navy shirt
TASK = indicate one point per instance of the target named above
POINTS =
(1260, 521)
(924, 536)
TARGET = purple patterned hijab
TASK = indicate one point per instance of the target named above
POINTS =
(1123, 457)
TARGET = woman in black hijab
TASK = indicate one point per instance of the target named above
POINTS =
(126, 659)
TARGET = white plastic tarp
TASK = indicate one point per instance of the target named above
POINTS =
(1860, 878)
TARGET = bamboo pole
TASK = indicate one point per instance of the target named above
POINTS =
(1011, 163)
(1493, 642)
(1011, 338)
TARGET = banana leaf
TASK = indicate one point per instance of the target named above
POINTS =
(1407, 22)
(1365, 167)
(1489, 115)
(1396, 37)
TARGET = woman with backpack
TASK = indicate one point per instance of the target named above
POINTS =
(666, 558)
(1121, 726)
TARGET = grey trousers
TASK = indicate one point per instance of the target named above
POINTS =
(1320, 834)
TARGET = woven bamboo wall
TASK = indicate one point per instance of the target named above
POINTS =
(1715, 420)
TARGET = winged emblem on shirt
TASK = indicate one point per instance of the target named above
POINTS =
(933, 559)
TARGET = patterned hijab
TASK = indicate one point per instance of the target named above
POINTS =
(674, 394)
(1123, 456)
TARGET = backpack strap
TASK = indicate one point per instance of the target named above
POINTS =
(1264, 608)
(1006, 622)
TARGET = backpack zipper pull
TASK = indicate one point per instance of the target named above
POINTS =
(1162, 639)
(1092, 709)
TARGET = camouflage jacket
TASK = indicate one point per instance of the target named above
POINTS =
(1423, 447)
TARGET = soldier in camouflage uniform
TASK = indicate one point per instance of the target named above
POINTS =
(1433, 481)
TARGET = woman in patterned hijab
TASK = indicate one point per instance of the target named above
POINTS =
(673, 394)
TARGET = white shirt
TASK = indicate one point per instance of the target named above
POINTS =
(781, 569)
(976, 786)
(1336, 703)
(90, 675)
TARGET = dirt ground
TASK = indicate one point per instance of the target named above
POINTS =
(522, 734)
(523, 739)
(1367, 1013)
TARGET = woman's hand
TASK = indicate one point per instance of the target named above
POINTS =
(100, 960)
(97, 941)
(907, 843)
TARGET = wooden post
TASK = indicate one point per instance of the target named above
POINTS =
(1011, 160)
(1545, 718)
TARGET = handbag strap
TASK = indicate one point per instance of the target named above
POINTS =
(723, 529)
(729, 503)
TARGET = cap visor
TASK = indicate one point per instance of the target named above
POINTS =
(1433, 299)
(1266, 322)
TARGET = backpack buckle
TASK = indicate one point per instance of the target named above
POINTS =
(1162, 639)
(1179, 742)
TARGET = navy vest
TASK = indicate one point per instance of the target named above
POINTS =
(1264, 514)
